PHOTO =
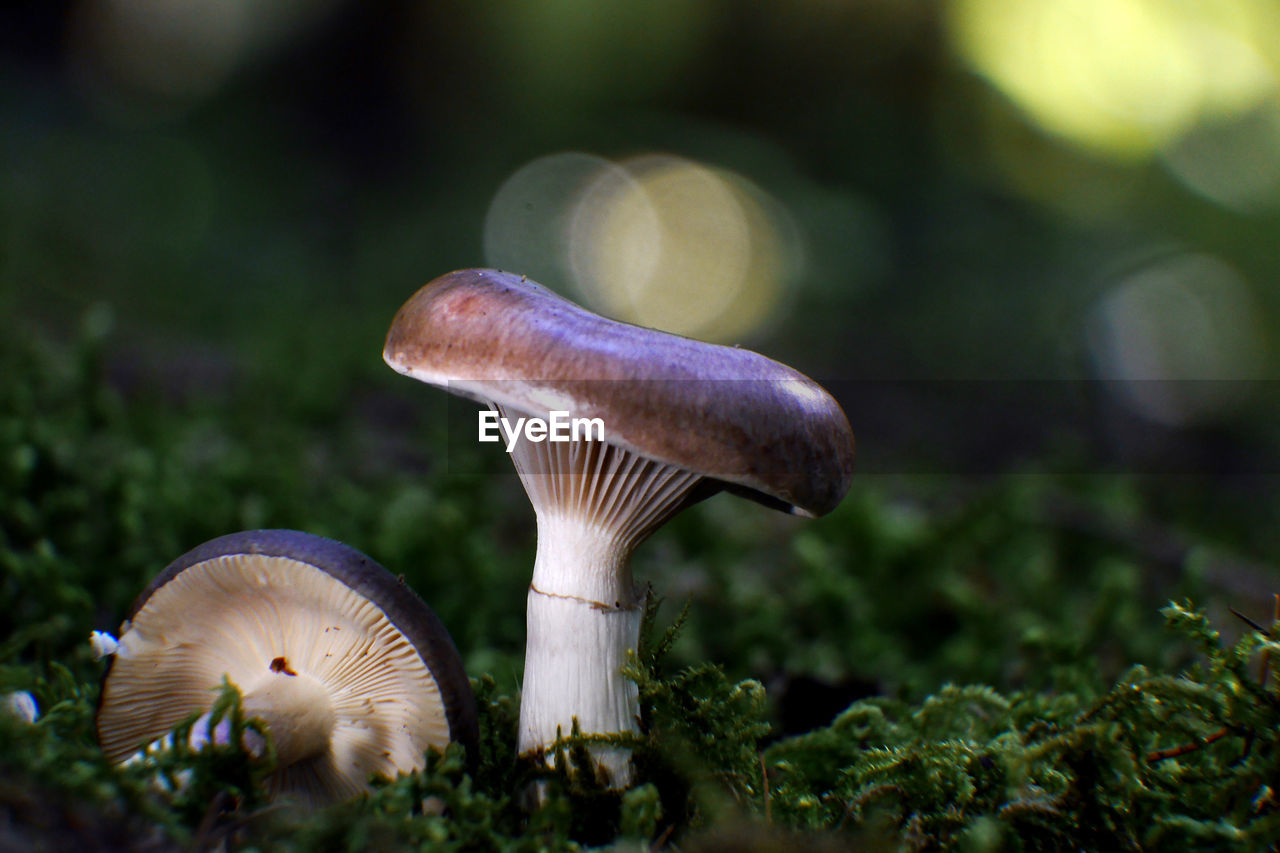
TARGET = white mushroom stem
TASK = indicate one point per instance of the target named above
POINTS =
(298, 713)
(583, 618)
(296, 709)
(595, 502)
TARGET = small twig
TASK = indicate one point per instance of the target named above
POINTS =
(1265, 667)
(1246, 620)
(1266, 653)
(1175, 751)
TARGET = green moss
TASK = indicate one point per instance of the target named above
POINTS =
(1158, 761)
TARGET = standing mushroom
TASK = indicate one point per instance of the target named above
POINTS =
(351, 671)
(681, 420)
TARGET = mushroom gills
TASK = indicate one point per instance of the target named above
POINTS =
(351, 672)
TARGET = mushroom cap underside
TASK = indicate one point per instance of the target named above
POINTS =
(276, 608)
(727, 413)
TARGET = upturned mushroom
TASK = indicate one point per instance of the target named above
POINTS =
(352, 672)
(681, 419)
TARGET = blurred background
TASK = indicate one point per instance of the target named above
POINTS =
(1013, 236)
(998, 229)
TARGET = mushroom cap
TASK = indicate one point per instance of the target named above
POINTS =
(758, 426)
(266, 607)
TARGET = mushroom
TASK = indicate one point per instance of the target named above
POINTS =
(681, 420)
(352, 672)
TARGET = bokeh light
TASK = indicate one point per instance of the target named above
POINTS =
(1177, 336)
(1124, 78)
(1233, 162)
(529, 216)
(658, 240)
